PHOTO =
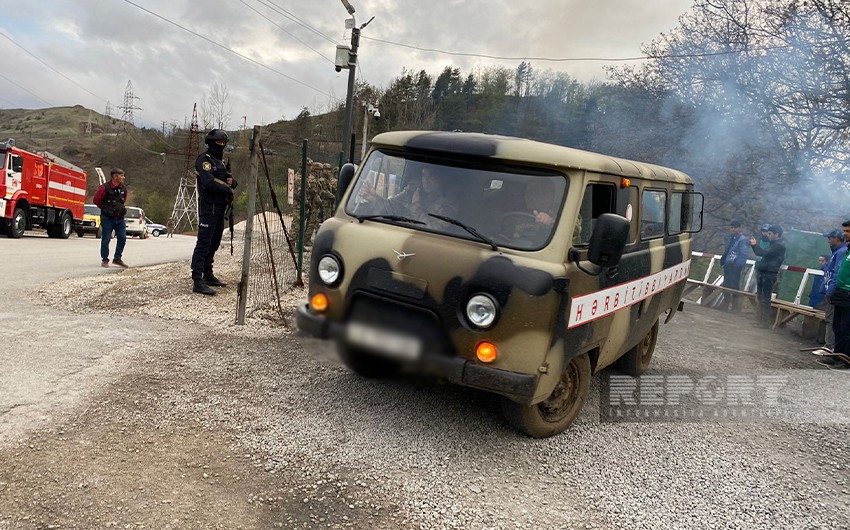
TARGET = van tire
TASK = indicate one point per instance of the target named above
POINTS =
(636, 361)
(365, 364)
(99, 232)
(554, 414)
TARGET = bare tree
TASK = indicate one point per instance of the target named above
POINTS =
(218, 102)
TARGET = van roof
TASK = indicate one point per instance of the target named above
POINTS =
(522, 150)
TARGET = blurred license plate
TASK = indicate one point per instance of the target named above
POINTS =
(384, 342)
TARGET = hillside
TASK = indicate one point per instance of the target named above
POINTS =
(155, 162)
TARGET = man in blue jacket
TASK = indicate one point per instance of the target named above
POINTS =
(835, 238)
(734, 260)
(768, 268)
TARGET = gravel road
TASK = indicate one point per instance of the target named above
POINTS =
(193, 422)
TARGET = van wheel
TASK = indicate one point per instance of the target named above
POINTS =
(635, 361)
(554, 414)
(99, 232)
(365, 364)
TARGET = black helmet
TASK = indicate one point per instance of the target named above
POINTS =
(214, 136)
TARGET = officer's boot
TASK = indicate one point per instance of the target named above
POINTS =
(211, 280)
(201, 287)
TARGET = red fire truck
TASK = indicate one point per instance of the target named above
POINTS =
(39, 189)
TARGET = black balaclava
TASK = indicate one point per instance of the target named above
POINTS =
(215, 150)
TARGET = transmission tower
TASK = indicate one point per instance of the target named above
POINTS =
(107, 117)
(185, 211)
(129, 106)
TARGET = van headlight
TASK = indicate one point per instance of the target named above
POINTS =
(481, 310)
(330, 270)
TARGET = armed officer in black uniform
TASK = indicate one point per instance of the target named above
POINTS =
(215, 198)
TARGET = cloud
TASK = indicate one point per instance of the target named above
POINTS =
(102, 45)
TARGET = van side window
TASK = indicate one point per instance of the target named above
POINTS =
(598, 199)
(652, 207)
(685, 212)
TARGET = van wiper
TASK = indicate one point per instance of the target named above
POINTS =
(388, 217)
(468, 228)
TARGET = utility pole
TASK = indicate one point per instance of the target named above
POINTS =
(349, 62)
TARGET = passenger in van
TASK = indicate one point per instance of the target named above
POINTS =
(419, 198)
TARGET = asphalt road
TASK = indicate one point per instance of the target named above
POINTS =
(50, 357)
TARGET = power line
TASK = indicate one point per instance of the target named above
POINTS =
(47, 65)
(286, 31)
(297, 20)
(222, 46)
(575, 59)
(27, 91)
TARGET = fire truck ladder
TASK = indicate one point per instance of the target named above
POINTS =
(100, 175)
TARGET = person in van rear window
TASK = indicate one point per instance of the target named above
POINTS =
(110, 198)
(419, 198)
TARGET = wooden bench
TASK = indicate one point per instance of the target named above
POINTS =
(711, 292)
(812, 318)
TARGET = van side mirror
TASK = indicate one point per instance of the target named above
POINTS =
(607, 242)
(346, 173)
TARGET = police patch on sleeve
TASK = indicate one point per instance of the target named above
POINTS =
(207, 166)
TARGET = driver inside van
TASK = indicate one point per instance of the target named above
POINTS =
(533, 226)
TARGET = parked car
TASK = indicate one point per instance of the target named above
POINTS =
(90, 223)
(135, 218)
(155, 229)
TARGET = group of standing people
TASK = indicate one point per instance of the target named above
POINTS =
(832, 294)
(215, 202)
(770, 249)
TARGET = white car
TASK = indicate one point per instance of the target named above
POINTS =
(155, 229)
(135, 219)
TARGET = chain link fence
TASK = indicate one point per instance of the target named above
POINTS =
(273, 257)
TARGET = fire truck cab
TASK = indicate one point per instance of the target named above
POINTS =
(39, 189)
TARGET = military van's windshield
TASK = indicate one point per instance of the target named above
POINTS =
(498, 205)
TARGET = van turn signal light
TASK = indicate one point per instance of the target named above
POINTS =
(625, 183)
(319, 302)
(486, 352)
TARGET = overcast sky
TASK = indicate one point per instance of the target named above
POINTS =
(83, 52)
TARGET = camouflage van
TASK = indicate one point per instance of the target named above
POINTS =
(503, 264)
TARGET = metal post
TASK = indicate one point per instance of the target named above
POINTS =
(349, 98)
(301, 212)
(365, 133)
(242, 292)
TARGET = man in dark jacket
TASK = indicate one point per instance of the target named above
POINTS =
(733, 261)
(110, 198)
(768, 268)
(215, 198)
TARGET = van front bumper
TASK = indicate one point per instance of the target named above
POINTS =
(460, 371)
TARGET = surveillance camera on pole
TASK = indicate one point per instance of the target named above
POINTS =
(351, 64)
